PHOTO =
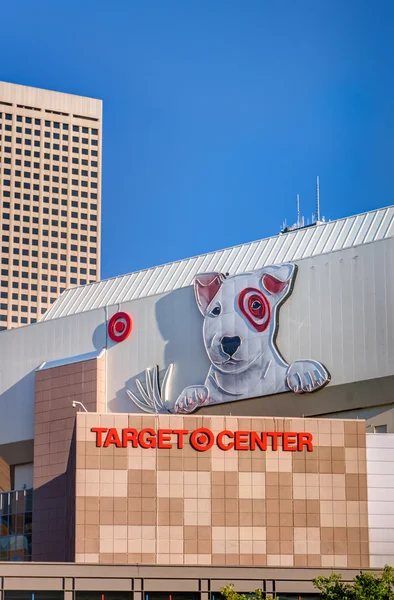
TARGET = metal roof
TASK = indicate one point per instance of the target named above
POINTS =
(291, 246)
(69, 360)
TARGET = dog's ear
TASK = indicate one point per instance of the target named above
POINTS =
(277, 280)
(206, 286)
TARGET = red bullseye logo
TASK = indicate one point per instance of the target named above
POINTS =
(119, 327)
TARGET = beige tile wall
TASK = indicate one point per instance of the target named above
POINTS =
(180, 506)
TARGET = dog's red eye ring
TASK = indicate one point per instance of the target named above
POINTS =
(254, 305)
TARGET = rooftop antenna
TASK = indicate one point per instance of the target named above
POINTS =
(317, 199)
(298, 211)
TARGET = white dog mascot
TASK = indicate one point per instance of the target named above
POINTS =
(240, 326)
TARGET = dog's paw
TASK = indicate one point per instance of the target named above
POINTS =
(192, 398)
(306, 376)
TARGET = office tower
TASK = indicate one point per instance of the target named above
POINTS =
(50, 193)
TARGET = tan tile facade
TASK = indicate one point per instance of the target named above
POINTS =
(263, 508)
(50, 193)
(5, 475)
(54, 422)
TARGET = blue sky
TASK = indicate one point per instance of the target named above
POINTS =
(218, 112)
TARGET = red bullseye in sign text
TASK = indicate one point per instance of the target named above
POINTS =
(202, 439)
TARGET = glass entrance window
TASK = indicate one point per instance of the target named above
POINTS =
(171, 596)
(279, 596)
(218, 595)
(298, 596)
(103, 595)
(16, 510)
(25, 595)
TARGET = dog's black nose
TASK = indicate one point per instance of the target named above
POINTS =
(230, 344)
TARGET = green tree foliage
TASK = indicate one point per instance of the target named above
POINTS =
(228, 593)
(366, 586)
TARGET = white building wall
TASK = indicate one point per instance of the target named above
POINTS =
(380, 469)
(23, 476)
(340, 313)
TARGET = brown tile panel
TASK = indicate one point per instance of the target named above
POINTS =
(5, 476)
(54, 420)
(179, 506)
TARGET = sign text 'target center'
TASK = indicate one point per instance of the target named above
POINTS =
(203, 439)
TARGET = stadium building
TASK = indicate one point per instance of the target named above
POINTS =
(225, 418)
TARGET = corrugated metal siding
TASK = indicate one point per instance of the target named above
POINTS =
(292, 246)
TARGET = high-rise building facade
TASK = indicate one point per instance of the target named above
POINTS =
(50, 193)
